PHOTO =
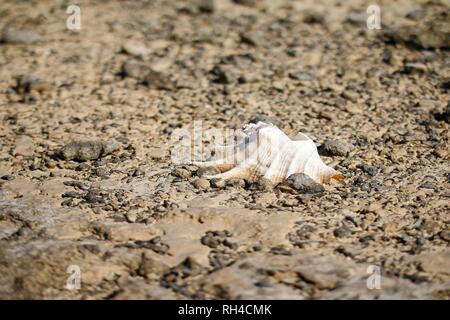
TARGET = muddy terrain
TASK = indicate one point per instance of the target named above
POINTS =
(93, 207)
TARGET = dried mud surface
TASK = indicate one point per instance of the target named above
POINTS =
(140, 227)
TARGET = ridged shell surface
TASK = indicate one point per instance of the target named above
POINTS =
(266, 151)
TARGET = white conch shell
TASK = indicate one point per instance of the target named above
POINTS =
(268, 152)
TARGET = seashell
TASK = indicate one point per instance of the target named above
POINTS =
(266, 151)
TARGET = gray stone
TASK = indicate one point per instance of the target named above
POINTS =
(201, 184)
(146, 75)
(356, 17)
(252, 38)
(135, 48)
(334, 148)
(20, 37)
(263, 185)
(342, 232)
(181, 173)
(87, 150)
(223, 75)
(370, 170)
(154, 244)
(134, 69)
(207, 171)
(207, 6)
(217, 183)
(303, 183)
(415, 14)
(157, 80)
(250, 78)
(94, 196)
(300, 75)
(312, 17)
(235, 183)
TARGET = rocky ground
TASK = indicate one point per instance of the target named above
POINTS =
(140, 227)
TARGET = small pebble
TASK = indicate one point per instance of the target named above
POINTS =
(88, 150)
(201, 184)
(302, 76)
(70, 194)
(134, 69)
(342, 232)
(83, 167)
(415, 14)
(223, 75)
(136, 48)
(370, 170)
(20, 37)
(334, 148)
(313, 17)
(303, 183)
(131, 216)
(181, 173)
(263, 185)
(206, 6)
(157, 80)
(235, 183)
(207, 171)
(252, 38)
(217, 183)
